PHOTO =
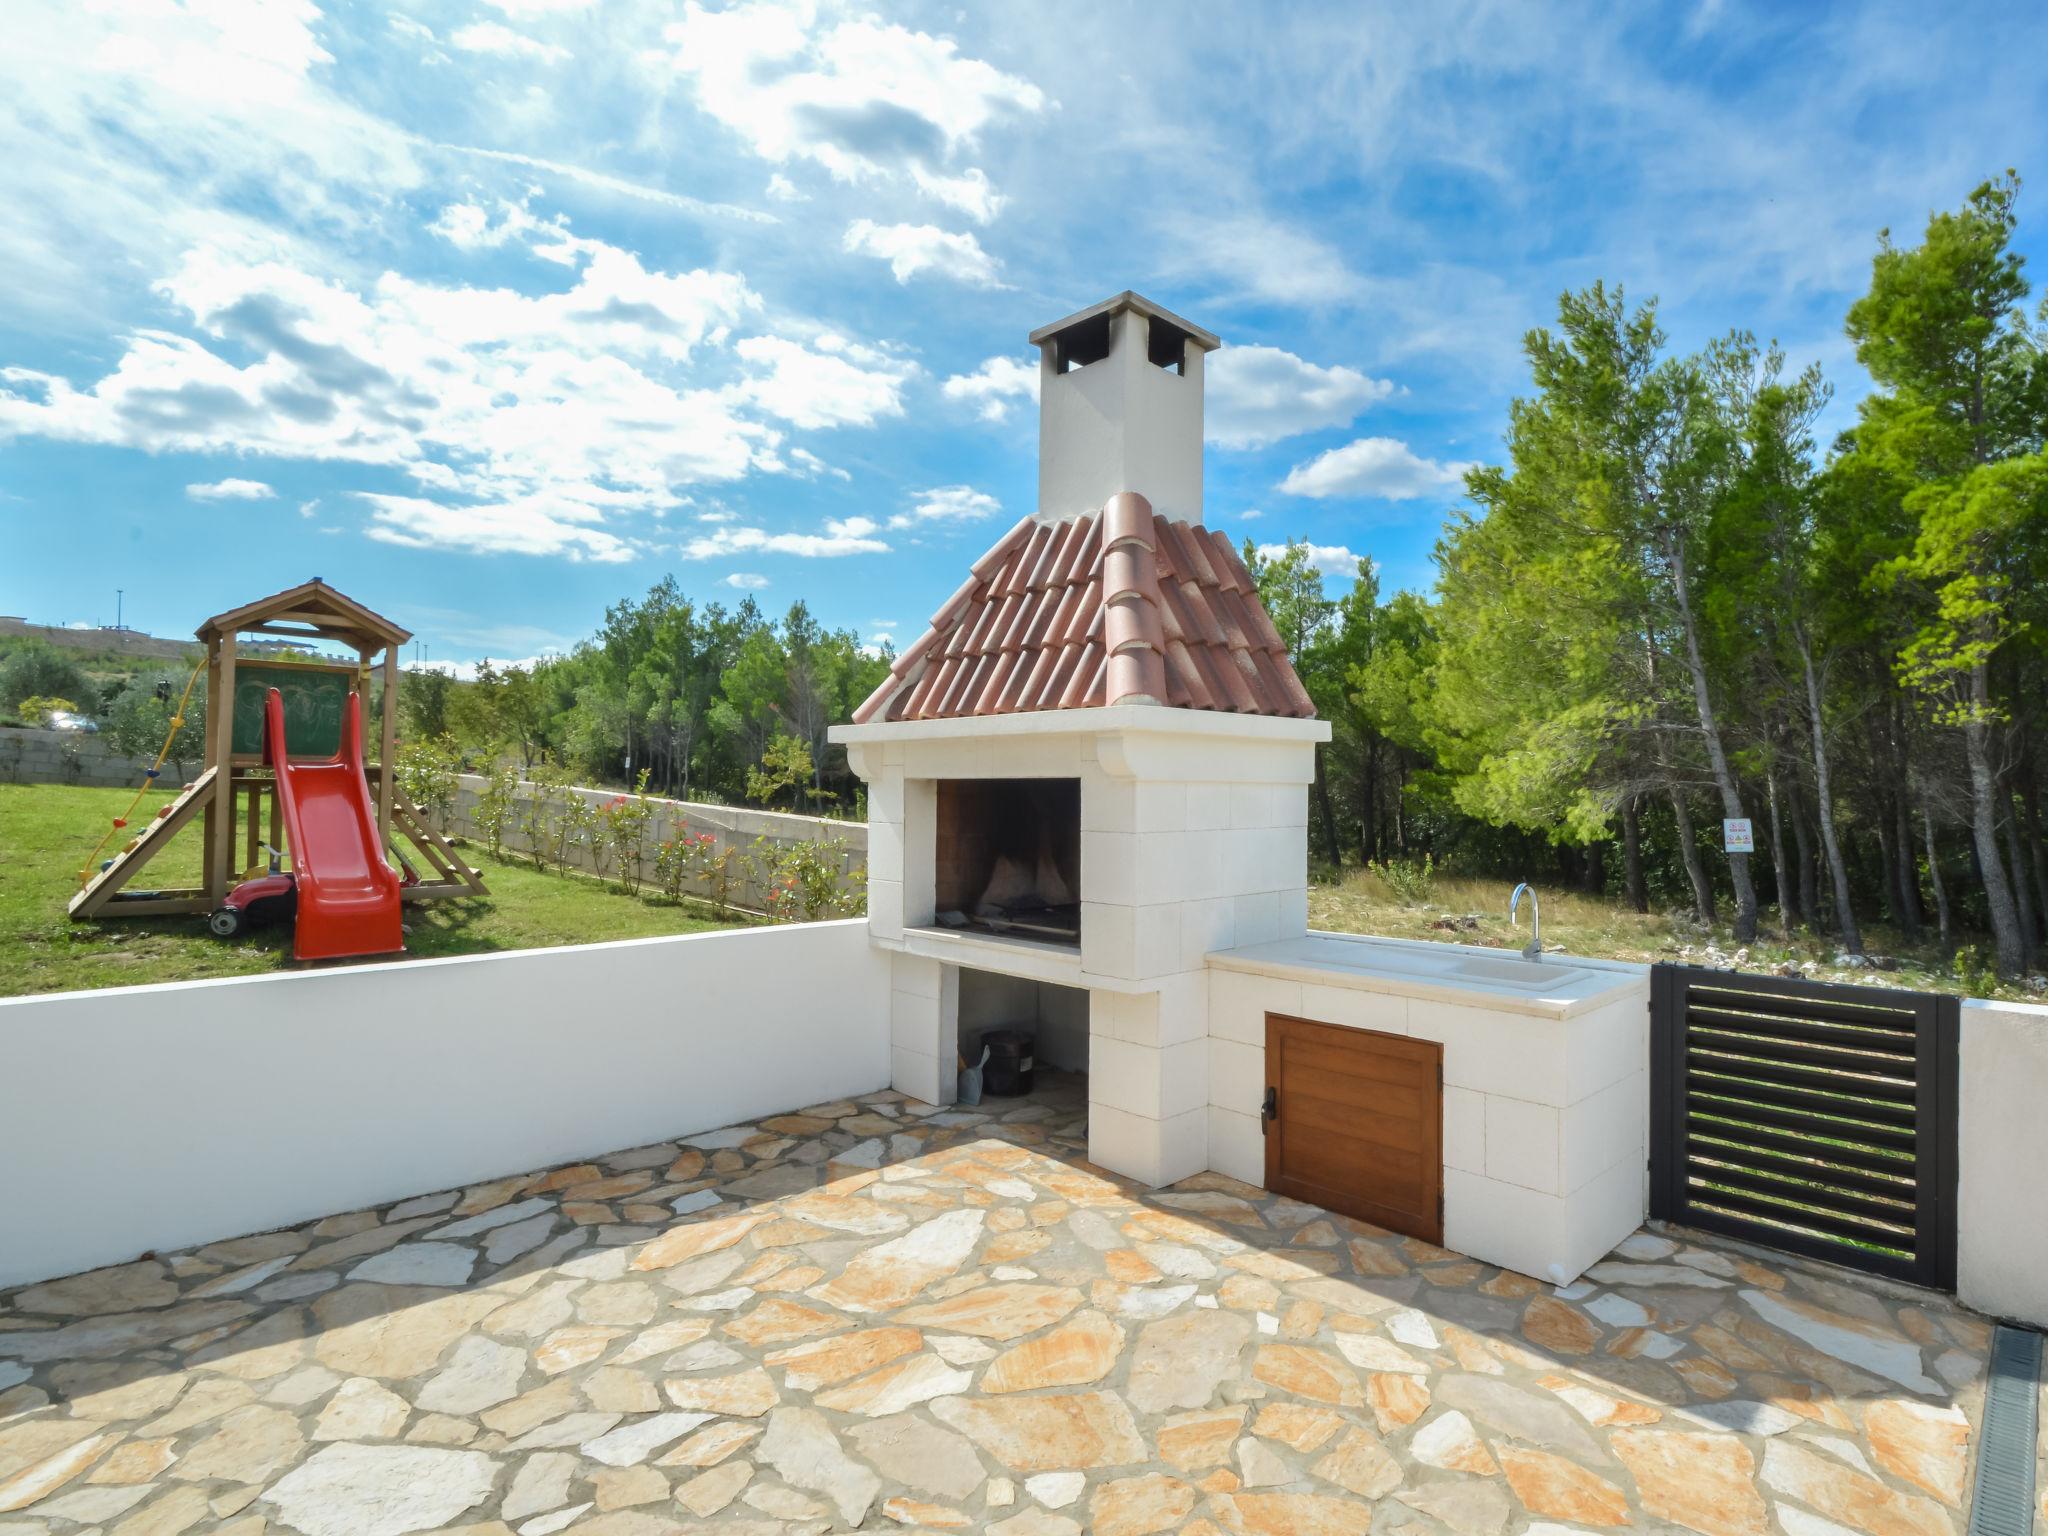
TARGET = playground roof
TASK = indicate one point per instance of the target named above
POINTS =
(316, 605)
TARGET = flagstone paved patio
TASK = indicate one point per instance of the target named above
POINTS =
(877, 1314)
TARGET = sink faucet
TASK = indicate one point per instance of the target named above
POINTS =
(1533, 950)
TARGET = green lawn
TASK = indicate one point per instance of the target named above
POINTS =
(47, 830)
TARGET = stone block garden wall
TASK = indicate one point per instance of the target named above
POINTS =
(731, 827)
(71, 757)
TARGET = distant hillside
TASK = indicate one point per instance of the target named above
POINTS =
(107, 649)
(99, 642)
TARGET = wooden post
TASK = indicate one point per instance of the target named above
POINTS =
(221, 732)
(212, 761)
(254, 836)
(388, 756)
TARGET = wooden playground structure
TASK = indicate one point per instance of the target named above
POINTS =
(234, 788)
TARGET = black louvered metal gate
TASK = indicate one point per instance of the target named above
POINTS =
(1812, 1117)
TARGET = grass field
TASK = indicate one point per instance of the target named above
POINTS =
(47, 830)
(1584, 925)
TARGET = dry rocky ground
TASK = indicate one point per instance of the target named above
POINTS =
(875, 1314)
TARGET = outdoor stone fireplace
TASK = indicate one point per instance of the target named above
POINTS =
(1092, 770)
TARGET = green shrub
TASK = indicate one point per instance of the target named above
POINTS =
(427, 771)
(497, 808)
(622, 827)
(803, 882)
(37, 669)
(1410, 882)
(140, 719)
(36, 709)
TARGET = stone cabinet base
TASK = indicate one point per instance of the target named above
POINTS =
(1546, 1094)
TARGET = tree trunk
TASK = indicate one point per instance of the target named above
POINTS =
(1593, 875)
(1911, 918)
(1329, 815)
(1809, 897)
(1689, 855)
(2008, 941)
(1823, 794)
(1934, 875)
(2030, 804)
(1632, 854)
(1788, 904)
(1913, 912)
(1887, 869)
(2023, 898)
(1368, 804)
(1717, 759)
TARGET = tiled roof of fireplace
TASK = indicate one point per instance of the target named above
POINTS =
(1125, 607)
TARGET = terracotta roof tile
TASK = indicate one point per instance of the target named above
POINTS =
(1097, 610)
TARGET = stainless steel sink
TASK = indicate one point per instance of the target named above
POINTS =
(1530, 975)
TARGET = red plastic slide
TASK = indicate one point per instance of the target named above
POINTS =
(348, 894)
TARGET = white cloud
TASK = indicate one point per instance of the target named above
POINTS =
(830, 383)
(537, 422)
(1250, 515)
(970, 192)
(529, 525)
(540, 7)
(604, 181)
(863, 98)
(913, 248)
(783, 190)
(491, 37)
(146, 127)
(809, 464)
(994, 386)
(1330, 559)
(745, 581)
(1265, 259)
(231, 490)
(948, 504)
(1382, 467)
(1258, 395)
(468, 226)
(842, 536)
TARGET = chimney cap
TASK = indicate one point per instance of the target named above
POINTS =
(1208, 341)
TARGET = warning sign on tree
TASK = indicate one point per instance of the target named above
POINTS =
(1736, 836)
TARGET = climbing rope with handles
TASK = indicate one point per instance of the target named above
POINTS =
(149, 780)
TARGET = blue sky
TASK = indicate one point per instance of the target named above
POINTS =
(494, 311)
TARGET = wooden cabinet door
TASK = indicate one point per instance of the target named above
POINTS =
(1356, 1123)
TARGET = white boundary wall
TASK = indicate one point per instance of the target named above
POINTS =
(155, 1118)
(2002, 1194)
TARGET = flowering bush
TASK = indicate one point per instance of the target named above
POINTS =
(497, 807)
(626, 820)
(804, 882)
(682, 860)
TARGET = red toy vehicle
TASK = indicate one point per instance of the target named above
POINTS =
(258, 903)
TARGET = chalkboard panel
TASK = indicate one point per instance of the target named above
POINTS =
(314, 701)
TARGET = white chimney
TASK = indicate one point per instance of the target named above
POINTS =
(1120, 409)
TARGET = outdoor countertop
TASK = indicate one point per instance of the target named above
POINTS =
(1449, 973)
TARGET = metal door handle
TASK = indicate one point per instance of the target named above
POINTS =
(1270, 1110)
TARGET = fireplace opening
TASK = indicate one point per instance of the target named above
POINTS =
(1009, 858)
